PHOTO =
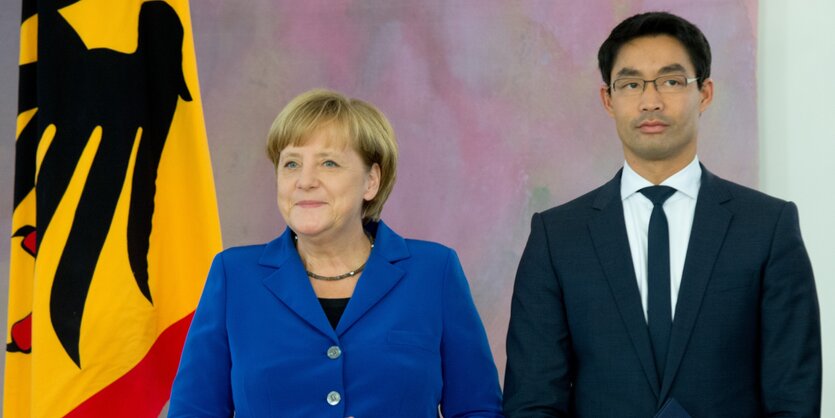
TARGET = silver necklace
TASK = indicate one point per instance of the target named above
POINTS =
(351, 273)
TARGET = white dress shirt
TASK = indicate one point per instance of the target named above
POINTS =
(679, 209)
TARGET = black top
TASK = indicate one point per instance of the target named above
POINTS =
(333, 309)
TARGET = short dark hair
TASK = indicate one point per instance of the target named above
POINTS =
(653, 24)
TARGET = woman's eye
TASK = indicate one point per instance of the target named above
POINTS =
(291, 164)
(330, 164)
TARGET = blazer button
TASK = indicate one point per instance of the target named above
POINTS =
(334, 352)
(333, 398)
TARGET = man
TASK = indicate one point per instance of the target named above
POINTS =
(668, 290)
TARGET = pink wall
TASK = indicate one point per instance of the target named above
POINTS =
(495, 105)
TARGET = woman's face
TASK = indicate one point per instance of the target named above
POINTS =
(323, 183)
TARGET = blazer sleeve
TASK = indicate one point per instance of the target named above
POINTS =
(790, 328)
(202, 387)
(538, 374)
(470, 380)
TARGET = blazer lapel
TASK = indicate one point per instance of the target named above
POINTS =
(710, 224)
(608, 231)
(379, 276)
(290, 285)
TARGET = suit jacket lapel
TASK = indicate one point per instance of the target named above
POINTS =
(289, 283)
(608, 231)
(379, 276)
(710, 224)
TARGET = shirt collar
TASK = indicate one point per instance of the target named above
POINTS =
(687, 180)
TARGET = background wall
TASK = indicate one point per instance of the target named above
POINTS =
(496, 110)
(495, 105)
(797, 139)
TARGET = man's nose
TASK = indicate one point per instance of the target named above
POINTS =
(651, 100)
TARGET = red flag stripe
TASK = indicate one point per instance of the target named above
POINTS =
(143, 390)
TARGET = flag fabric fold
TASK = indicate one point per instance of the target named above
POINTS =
(115, 219)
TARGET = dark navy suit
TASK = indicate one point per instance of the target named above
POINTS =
(745, 340)
(410, 339)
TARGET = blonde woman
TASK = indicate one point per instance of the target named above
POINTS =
(339, 316)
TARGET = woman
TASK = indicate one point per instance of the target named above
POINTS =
(339, 316)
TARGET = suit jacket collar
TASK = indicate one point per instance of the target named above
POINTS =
(608, 231)
(289, 282)
(710, 225)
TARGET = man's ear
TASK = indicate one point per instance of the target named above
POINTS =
(606, 98)
(707, 94)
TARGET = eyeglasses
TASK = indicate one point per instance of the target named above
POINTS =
(664, 84)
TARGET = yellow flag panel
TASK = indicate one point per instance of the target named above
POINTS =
(115, 219)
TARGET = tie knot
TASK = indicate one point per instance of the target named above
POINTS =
(658, 194)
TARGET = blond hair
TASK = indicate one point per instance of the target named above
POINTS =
(368, 132)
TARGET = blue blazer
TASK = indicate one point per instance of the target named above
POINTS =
(745, 340)
(409, 340)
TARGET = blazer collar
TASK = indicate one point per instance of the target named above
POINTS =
(380, 276)
(608, 233)
(608, 192)
(710, 225)
(289, 282)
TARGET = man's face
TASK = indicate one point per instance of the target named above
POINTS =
(653, 126)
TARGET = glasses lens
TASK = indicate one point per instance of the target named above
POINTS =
(671, 83)
(628, 86)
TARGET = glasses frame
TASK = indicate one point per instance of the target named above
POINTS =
(687, 82)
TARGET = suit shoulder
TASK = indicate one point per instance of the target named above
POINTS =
(578, 208)
(422, 248)
(747, 200)
(241, 253)
(748, 194)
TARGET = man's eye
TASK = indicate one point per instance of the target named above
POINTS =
(628, 85)
(673, 82)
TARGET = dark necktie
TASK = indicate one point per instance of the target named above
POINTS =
(659, 313)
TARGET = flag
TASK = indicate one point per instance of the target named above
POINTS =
(115, 220)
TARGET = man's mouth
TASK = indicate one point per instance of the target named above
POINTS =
(652, 127)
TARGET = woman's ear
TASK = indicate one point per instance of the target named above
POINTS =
(372, 182)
